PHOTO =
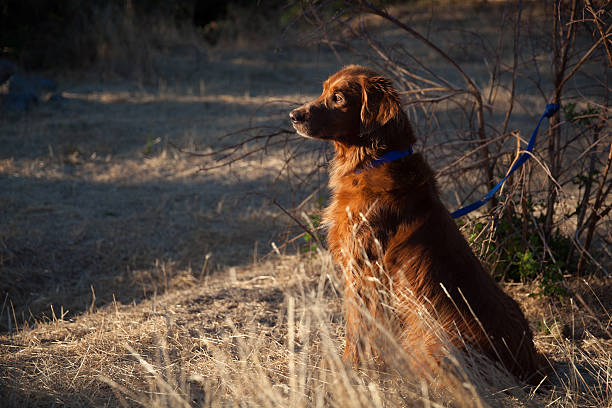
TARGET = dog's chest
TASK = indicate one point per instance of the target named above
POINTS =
(350, 217)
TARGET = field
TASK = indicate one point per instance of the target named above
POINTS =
(139, 265)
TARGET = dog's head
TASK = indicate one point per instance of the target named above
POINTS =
(355, 103)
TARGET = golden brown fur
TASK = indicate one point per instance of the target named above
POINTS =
(393, 214)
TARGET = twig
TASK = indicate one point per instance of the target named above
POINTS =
(517, 30)
(595, 214)
(600, 29)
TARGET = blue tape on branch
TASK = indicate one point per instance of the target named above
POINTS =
(551, 109)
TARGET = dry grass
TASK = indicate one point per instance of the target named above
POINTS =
(271, 335)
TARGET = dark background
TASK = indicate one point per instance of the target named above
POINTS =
(42, 34)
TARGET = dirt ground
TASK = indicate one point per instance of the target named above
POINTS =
(109, 235)
(92, 189)
(94, 192)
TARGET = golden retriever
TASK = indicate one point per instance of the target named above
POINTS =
(385, 207)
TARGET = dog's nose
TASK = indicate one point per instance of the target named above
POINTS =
(297, 116)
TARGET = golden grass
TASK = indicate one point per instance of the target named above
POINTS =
(272, 335)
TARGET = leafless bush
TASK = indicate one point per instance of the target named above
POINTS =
(473, 119)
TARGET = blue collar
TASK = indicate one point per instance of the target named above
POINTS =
(386, 158)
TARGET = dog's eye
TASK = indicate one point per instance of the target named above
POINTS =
(338, 98)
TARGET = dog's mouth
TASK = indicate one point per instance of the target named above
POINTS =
(303, 129)
(300, 129)
(302, 121)
(309, 123)
(306, 135)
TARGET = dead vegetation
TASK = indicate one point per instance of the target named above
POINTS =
(269, 335)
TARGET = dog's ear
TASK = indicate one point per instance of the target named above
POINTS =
(380, 102)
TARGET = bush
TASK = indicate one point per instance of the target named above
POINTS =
(518, 251)
(72, 33)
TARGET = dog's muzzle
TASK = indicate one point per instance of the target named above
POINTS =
(297, 116)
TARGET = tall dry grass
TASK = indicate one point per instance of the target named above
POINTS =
(272, 335)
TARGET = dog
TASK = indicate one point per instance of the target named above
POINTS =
(389, 230)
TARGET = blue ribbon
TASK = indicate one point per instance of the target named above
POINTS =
(551, 109)
(386, 158)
